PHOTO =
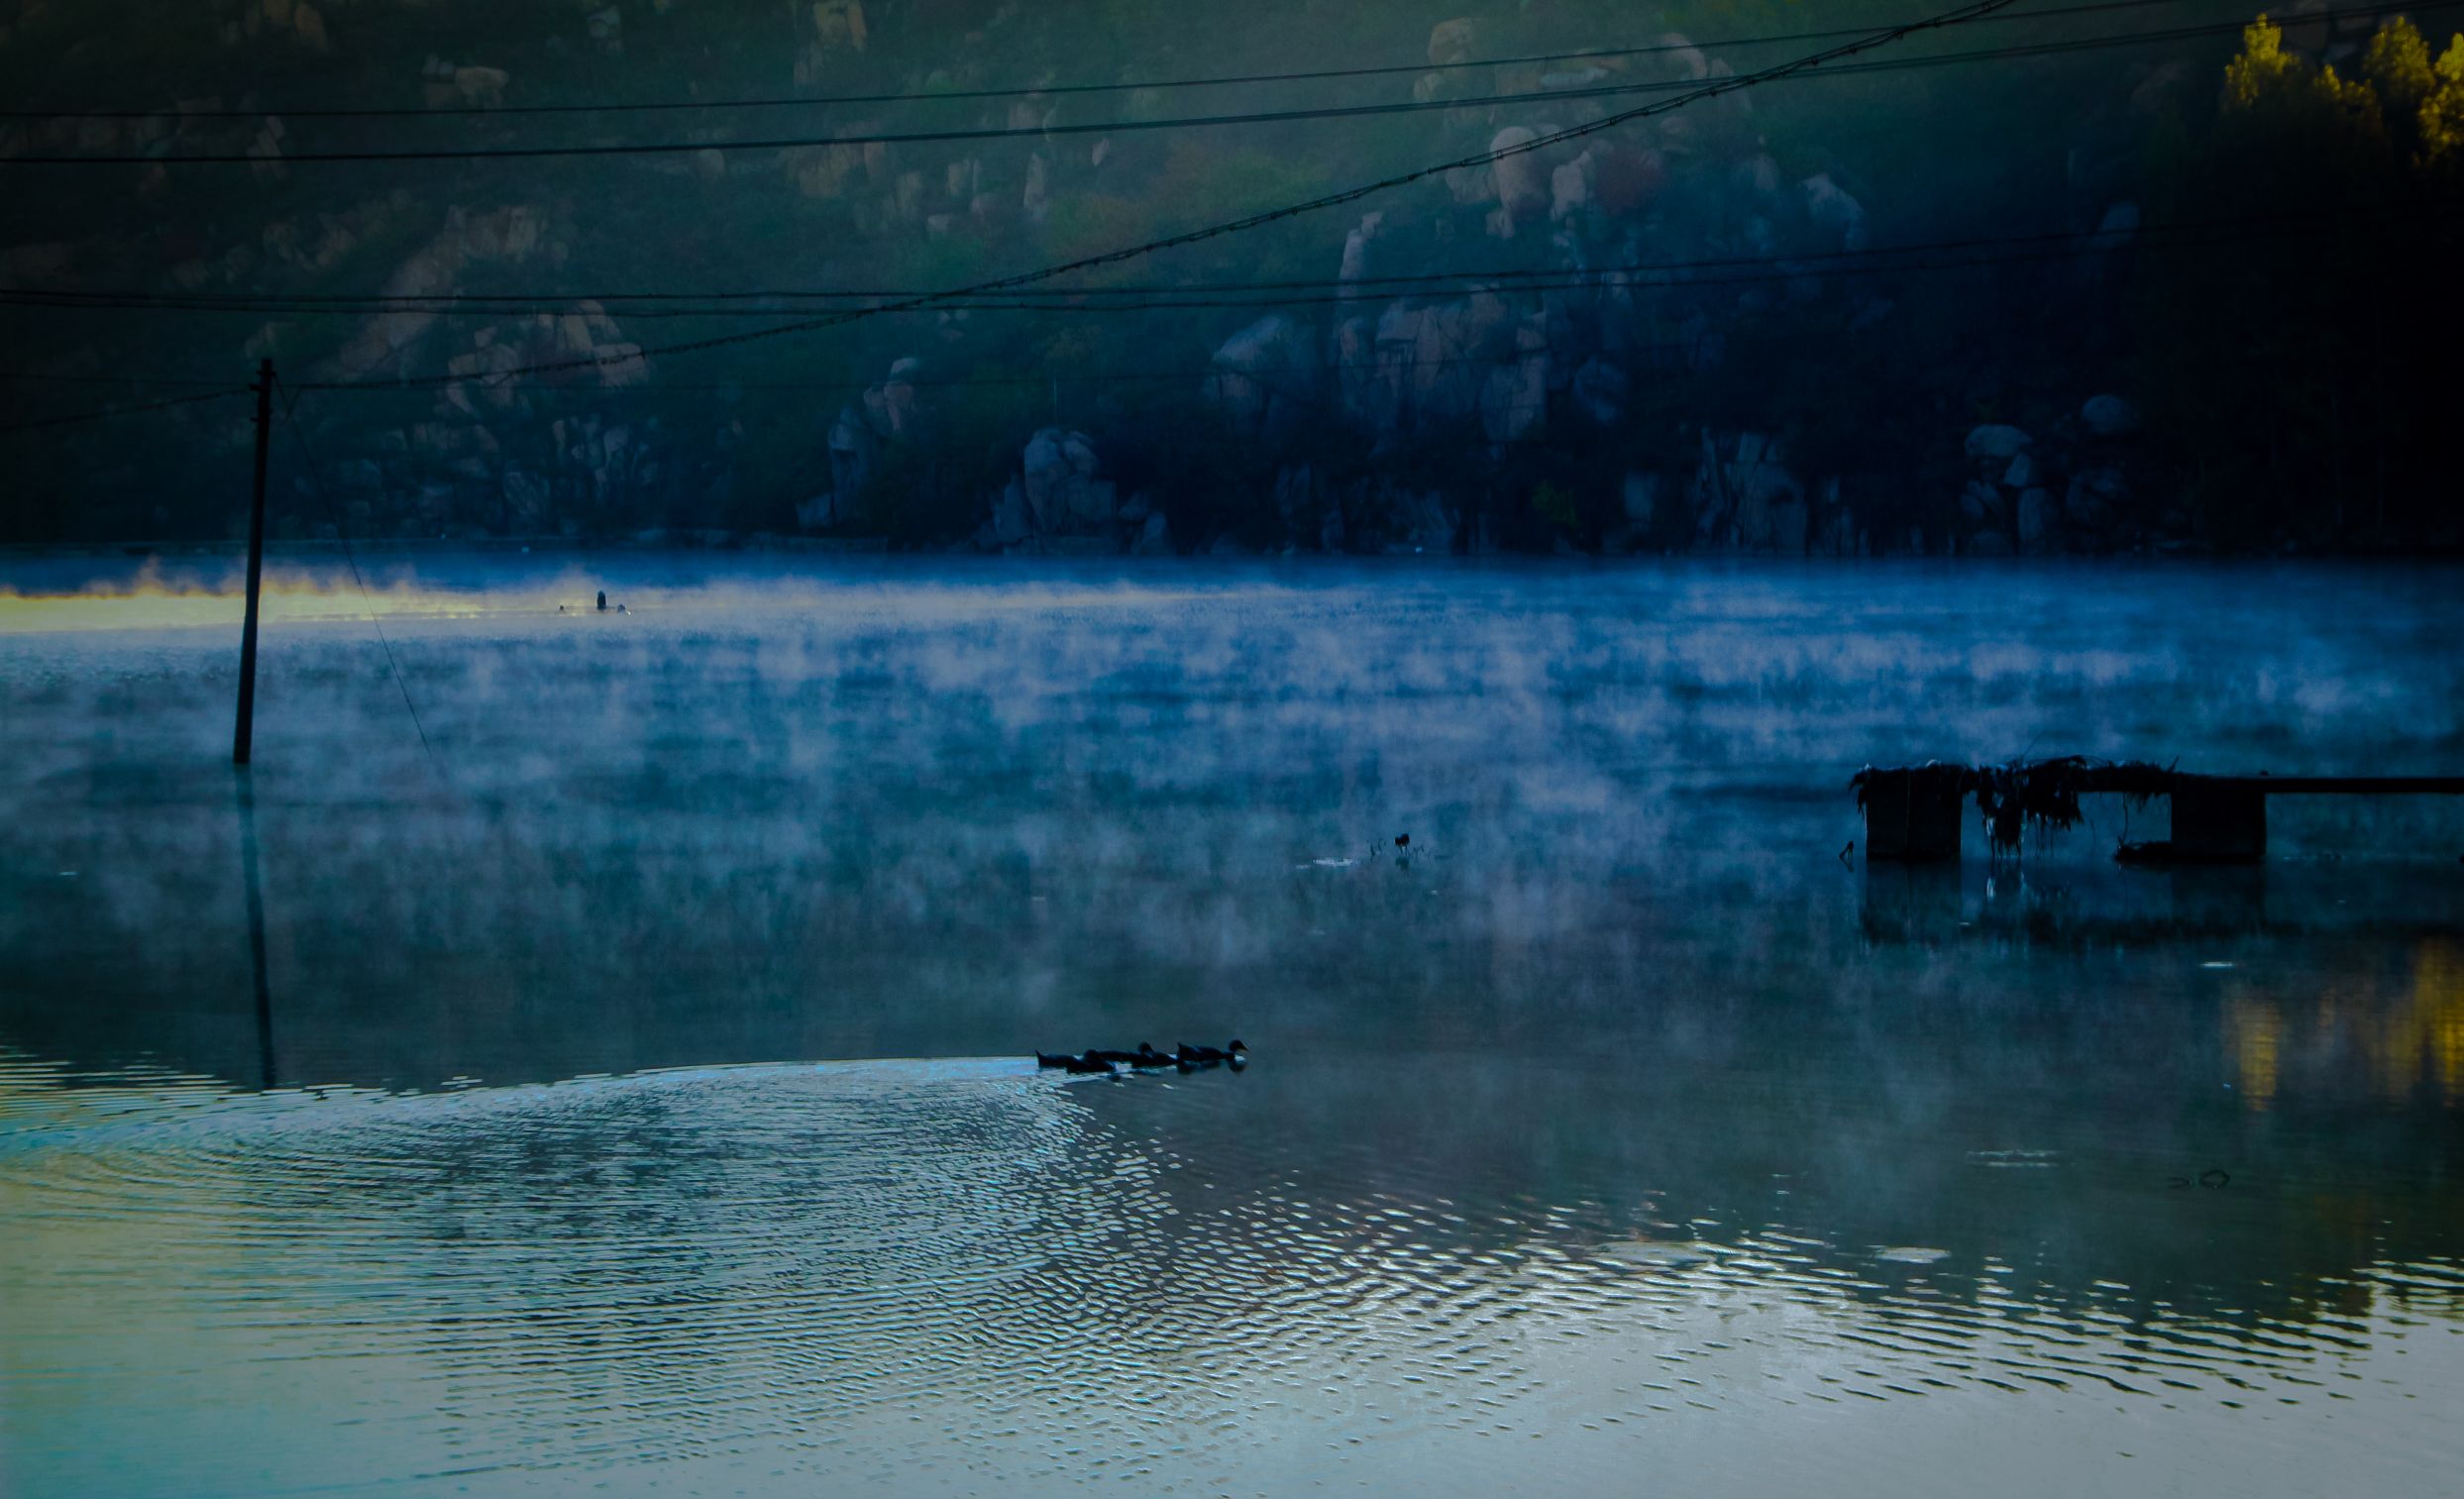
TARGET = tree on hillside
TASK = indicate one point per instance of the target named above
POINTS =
(2303, 365)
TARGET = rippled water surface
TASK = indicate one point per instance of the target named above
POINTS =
(637, 1098)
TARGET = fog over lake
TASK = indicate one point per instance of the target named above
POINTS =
(644, 1077)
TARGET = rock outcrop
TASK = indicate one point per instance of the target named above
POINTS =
(1060, 501)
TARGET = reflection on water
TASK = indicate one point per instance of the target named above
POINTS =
(945, 1275)
(2408, 1036)
(1623, 1113)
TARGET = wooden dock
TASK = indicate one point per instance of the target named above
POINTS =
(1913, 813)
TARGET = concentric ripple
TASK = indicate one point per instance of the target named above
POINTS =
(964, 1275)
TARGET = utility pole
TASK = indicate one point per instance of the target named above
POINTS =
(244, 731)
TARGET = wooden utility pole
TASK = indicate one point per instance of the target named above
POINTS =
(244, 731)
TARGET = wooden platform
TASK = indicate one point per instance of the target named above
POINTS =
(1914, 813)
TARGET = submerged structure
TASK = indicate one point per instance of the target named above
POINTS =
(1913, 813)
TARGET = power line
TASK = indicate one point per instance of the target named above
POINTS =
(107, 412)
(1712, 89)
(2051, 245)
(1045, 379)
(1121, 127)
(1036, 382)
(809, 101)
(1324, 201)
(35, 378)
(1640, 276)
(570, 300)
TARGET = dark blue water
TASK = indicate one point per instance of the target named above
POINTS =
(1627, 1110)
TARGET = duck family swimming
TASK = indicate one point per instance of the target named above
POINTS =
(1185, 1058)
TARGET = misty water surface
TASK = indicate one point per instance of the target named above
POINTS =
(1626, 1110)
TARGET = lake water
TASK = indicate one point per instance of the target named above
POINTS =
(638, 1100)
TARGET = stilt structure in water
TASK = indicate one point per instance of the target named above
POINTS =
(1913, 813)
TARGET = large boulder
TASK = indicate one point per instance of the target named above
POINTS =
(1454, 343)
(1450, 41)
(1521, 180)
(482, 86)
(839, 24)
(1266, 376)
(1357, 247)
(2095, 497)
(2110, 416)
(1569, 190)
(1058, 472)
(1994, 440)
(1745, 499)
(890, 407)
(1834, 214)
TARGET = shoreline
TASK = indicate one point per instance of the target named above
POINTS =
(772, 544)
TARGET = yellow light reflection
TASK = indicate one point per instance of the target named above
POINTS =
(151, 603)
(2255, 1032)
(2425, 1036)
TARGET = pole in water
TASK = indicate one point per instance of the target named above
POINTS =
(244, 729)
(257, 934)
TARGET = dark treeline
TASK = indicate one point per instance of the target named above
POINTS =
(2183, 292)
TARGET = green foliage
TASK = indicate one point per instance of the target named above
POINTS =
(2285, 365)
(2267, 77)
(2398, 66)
(2301, 374)
(2442, 106)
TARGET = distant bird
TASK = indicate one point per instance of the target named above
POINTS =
(1403, 840)
(602, 601)
(1207, 1056)
(1089, 1064)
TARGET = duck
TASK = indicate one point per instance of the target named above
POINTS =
(1091, 1063)
(1145, 1056)
(1199, 1056)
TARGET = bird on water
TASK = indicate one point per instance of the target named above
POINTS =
(1200, 1056)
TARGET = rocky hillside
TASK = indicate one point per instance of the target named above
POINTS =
(1694, 332)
